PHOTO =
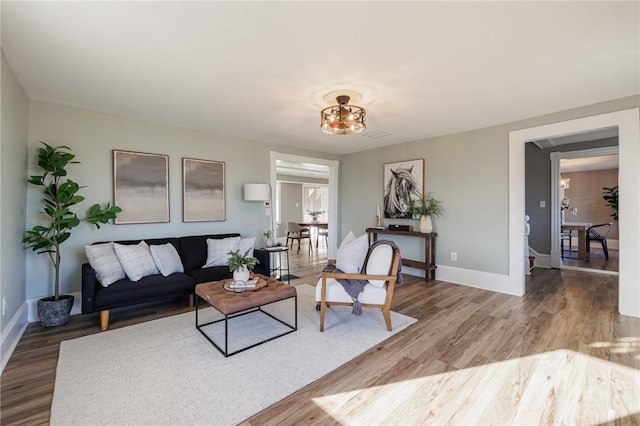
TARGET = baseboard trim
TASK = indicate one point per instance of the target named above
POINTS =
(75, 309)
(467, 277)
(12, 333)
(542, 261)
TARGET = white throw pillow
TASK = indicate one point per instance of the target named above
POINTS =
(247, 244)
(103, 259)
(136, 260)
(351, 253)
(218, 250)
(166, 258)
(379, 263)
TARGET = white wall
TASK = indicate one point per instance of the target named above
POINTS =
(13, 161)
(93, 135)
(468, 172)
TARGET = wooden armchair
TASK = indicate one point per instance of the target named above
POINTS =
(381, 274)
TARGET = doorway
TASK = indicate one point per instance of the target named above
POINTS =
(628, 124)
(332, 211)
(591, 170)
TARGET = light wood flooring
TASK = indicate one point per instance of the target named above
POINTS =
(595, 260)
(561, 354)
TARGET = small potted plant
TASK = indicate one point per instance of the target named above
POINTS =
(241, 264)
(268, 238)
(59, 196)
(425, 208)
(314, 214)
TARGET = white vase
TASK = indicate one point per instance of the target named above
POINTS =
(241, 275)
(426, 225)
(268, 242)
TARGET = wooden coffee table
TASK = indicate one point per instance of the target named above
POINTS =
(233, 304)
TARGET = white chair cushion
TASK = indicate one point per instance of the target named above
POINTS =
(102, 258)
(218, 250)
(336, 293)
(166, 258)
(379, 263)
(351, 254)
(247, 244)
(136, 260)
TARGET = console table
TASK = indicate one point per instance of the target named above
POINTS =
(429, 264)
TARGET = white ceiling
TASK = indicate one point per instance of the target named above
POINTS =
(260, 70)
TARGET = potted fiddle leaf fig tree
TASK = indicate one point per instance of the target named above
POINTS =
(60, 195)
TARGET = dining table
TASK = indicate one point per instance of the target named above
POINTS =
(582, 228)
(317, 226)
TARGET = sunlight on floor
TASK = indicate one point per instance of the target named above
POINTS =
(550, 388)
(623, 345)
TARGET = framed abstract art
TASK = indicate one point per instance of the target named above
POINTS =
(141, 187)
(203, 191)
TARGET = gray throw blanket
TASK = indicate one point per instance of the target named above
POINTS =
(355, 287)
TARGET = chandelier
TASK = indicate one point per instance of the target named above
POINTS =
(343, 119)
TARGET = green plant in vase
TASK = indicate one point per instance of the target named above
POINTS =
(268, 238)
(426, 207)
(241, 264)
(60, 194)
(314, 214)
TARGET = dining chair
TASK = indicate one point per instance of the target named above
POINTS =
(565, 236)
(296, 232)
(600, 235)
(323, 232)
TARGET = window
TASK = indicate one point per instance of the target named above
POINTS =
(315, 197)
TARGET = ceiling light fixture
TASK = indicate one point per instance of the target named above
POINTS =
(343, 119)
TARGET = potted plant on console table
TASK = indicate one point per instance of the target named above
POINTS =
(240, 264)
(426, 207)
(60, 194)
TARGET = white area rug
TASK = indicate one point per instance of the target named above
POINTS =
(164, 372)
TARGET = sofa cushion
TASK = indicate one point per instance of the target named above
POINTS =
(136, 260)
(215, 273)
(247, 244)
(166, 258)
(193, 249)
(103, 259)
(218, 250)
(126, 293)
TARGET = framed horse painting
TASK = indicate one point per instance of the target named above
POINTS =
(403, 182)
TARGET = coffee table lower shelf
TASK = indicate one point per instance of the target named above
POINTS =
(230, 315)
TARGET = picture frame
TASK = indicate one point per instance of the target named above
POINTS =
(141, 187)
(403, 182)
(203, 190)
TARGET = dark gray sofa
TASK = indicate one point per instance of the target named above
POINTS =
(193, 253)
